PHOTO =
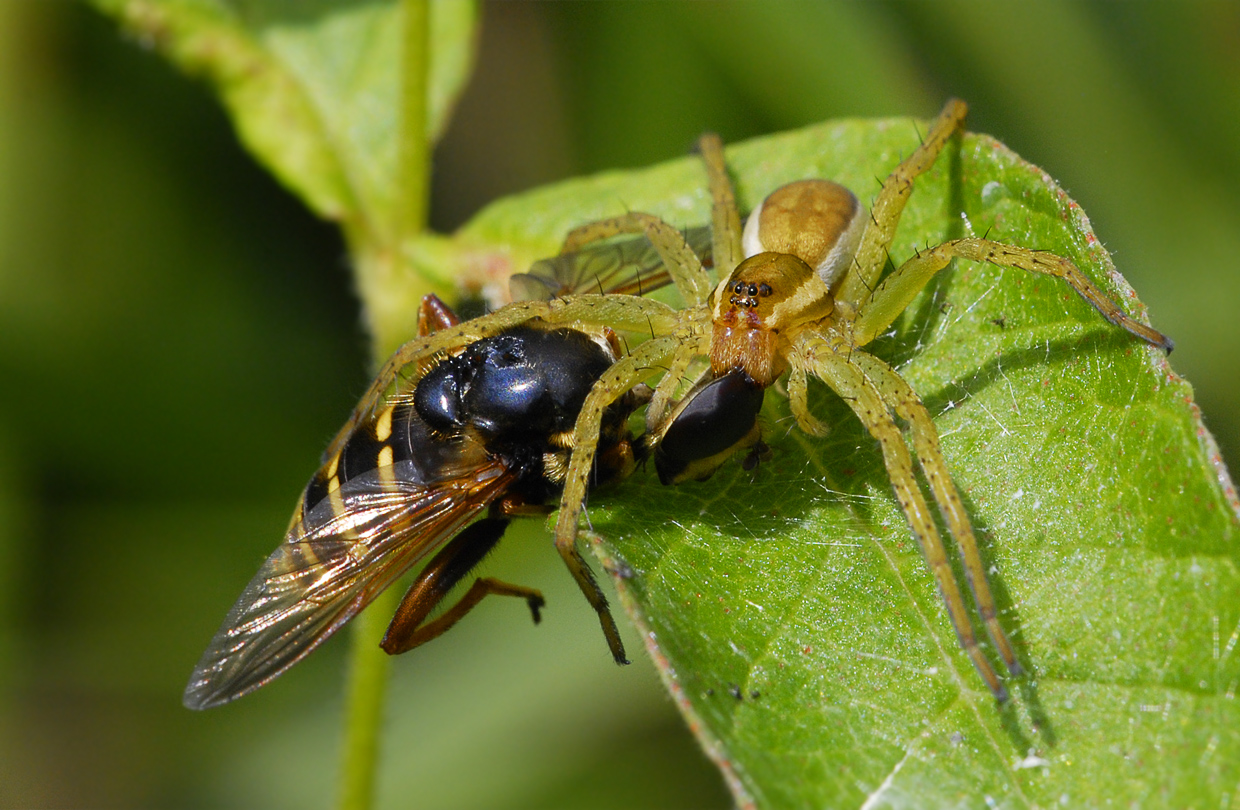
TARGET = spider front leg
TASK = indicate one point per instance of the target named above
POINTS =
(901, 398)
(618, 311)
(642, 363)
(661, 399)
(871, 255)
(725, 218)
(854, 387)
(897, 291)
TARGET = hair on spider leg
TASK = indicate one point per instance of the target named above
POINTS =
(790, 421)
(921, 139)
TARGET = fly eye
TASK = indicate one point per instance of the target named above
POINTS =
(764, 290)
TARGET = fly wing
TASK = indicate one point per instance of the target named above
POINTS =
(630, 266)
(334, 561)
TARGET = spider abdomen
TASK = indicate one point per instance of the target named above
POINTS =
(818, 221)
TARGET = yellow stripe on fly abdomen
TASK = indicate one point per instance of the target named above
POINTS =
(387, 473)
(383, 424)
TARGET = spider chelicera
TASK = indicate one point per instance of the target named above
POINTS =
(801, 292)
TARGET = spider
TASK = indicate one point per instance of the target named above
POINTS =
(801, 293)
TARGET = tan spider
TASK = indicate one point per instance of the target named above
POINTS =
(801, 291)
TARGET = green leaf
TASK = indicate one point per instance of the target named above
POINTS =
(314, 88)
(789, 610)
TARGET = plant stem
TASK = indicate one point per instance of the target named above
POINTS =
(368, 668)
(414, 153)
(367, 688)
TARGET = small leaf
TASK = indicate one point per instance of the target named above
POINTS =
(313, 86)
(789, 609)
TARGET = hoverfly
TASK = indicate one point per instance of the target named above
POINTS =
(465, 427)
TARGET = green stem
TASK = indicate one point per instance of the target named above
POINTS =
(414, 154)
(367, 688)
(368, 668)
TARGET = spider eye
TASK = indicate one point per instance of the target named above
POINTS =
(764, 290)
(753, 289)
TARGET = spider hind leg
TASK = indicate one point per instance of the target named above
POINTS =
(901, 398)
(849, 380)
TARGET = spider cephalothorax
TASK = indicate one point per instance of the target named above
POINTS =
(767, 295)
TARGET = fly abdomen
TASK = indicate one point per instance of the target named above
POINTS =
(394, 446)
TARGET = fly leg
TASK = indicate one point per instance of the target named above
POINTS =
(434, 315)
(449, 567)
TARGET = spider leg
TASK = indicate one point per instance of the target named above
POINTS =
(643, 362)
(898, 289)
(798, 400)
(854, 387)
(725, 219)
(885, 213)
(434, 582)
(681, 262)
(905, 402)
(661, 400)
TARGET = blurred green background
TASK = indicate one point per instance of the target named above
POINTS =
(178, 341)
